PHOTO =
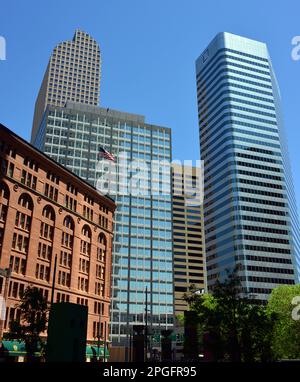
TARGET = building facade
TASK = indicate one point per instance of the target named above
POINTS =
(73, 73)
(142, 249)
(250, 213)
(188, 233)
(46, 212)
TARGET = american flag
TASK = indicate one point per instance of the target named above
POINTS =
(102, 153)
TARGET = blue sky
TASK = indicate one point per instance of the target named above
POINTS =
(148, 52)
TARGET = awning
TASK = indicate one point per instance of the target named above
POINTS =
(14, 348)
(17, 349)
(94, 351)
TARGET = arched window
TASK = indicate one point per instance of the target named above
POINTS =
(23, 218)
(69, 222)
(102, 247)
(102, 238)
(86, 231)
(21, 235)
(45, 246)
(49, 213)
(85, 242)
(68, 232)
(66, 252)
(26, 201)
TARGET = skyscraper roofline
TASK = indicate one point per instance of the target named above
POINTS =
(228, 40)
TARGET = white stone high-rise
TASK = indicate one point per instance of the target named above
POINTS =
(73, 74)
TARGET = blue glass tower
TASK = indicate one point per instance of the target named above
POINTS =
(250, 209)
(142, 247)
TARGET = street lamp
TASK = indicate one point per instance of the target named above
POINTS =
(6, 274)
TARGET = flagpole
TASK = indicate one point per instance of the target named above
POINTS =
(146, 325)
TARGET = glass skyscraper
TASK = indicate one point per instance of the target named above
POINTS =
(250, 210)
(142, 249)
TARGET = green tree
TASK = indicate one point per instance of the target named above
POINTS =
(233, 326)
(33, 320)
(286, 332)
(179, 319)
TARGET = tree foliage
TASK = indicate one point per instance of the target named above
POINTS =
(33, 320)
(286, 333)
(233, 326)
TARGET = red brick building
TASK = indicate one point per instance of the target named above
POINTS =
(47, 211)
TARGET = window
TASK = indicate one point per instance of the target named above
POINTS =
(98, 308)
(82, 301)
(4, 191)
(31, 164)
(26, 201)
(88, 199)
(46, 231)
(103, 209)
(7, 168)
(72, 189)
(22, 221)
(65, 259)
(11, 168)
(15, 289)
(86, 231)
(99, 272)
(51, 192)
(101, 249)
(99, 289)
(70, 203)
(52, 177)
(48, 213)
(103, 221)
(85, 243)
(42, 272)
(88, 213)
(64, 278)
(45, 251)
(84, 266)
(62, 297)
(28, 179)
(3, 212)
(68, 234)
(67, 240)
(17, 264)
(69, 223)
(82, 284)
(20, 243)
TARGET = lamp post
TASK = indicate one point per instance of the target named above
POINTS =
(99, 331)
(6, 274)
(53, 281)
(104, 342)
